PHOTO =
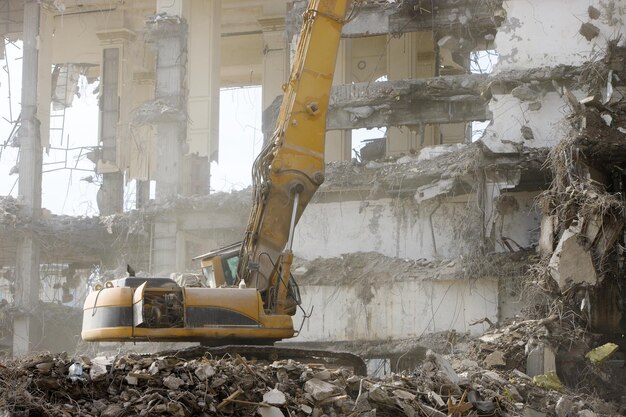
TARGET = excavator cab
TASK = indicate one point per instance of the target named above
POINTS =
(219, 267)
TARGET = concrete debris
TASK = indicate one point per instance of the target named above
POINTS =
(321, 390)
(274, 397)
(589, 31)
(540, 360)
(157, 110)
(563, 407)
(548, 381)
(527, 133)
(449, 42)
(608, 119)
(443, 366)
(490, 338)
(173, 382)
(439, 188)
(97, 370)
(495, 359)
(546, 238)
(204, 371)
(593, 13)
(525, 93)
(456, 163)
(432, 152)
(270, 412)
(571, 263)
(601, 353)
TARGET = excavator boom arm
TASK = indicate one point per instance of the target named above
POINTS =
(292, 163)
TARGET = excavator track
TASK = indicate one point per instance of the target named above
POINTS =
(273, 353)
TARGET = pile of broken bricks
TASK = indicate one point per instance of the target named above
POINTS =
(135, 385)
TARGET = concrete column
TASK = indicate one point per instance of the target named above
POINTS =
(275, 65)
(111, 193)
(339, 142)
(170, 41)
(410, 56)
(204, 44)
(164, 247)
(26, 324)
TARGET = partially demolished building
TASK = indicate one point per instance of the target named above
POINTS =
(423, 231)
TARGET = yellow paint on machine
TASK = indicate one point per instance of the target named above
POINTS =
(246, 302)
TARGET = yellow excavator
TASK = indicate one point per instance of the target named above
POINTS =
(250, 296)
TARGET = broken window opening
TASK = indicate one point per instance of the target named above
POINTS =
(241, 138)
(478, 129)
(483, 62)
(61, 283)
(70, 83)
(130, 195)
(378, 367)
(369, 144)
(11, 67)
(152, 189)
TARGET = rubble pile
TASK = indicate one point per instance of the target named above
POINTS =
(554, 352)
(170, 385)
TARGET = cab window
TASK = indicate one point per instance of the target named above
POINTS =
(209, 275)
(230, 268)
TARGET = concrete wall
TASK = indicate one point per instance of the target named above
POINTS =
(511, 114)
(396, 310)
(540, 34)
(402, 228)
(546, 32)
(393, 227)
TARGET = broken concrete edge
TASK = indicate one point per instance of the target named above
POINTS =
(373, 270)
(370, 104)
(444, 162)
(446, 17)
(238, 200)
(455, 167)
(587, 238)
(164, 25)
(159, 110)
